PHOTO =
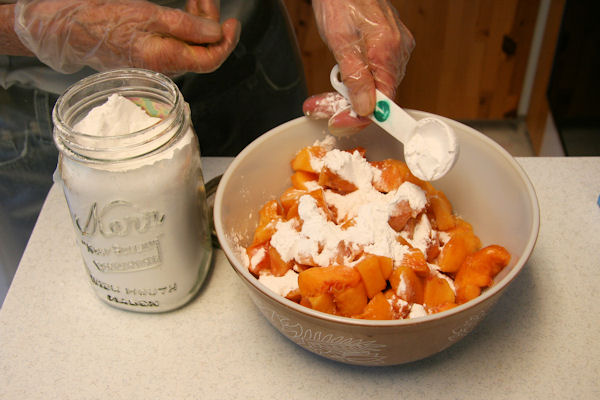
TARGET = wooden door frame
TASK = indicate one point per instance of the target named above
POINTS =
(539, 107)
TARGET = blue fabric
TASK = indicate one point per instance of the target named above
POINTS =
(27, 161)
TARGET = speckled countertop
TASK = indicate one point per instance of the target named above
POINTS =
(58, 341)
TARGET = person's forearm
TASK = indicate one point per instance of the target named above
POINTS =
(9, 41)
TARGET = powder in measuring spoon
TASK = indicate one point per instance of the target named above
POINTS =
(428, 154)
(118, 116)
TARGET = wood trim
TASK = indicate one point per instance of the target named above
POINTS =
(539, 108)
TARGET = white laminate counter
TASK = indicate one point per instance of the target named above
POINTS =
(540, 341)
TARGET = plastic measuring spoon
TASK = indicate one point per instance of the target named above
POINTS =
(430, 145)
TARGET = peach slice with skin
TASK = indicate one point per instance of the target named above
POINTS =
(331, 180)
(478, 271)
(437, 292)
(371, 275)
(407, 285)
(302, 160)
(351, 301)
(378, 308)
(269, 215)
(320, 280)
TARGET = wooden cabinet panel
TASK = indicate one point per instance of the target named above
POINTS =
(469, 62)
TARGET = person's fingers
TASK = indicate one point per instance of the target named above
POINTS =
(370, 45)
(346, 123)
(186, 27)
(388, 51)
(204, 8)
(346, 46)
(358, 79)
(324, 105)
(210, 57)
(203, 59)
(334, 107)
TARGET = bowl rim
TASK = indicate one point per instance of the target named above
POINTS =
(487, 294)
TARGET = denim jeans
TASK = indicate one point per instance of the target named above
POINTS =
(27, 161)
(260, 86)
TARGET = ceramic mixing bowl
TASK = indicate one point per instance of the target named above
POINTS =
(486, 187)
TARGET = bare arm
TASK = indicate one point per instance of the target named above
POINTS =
(9, 42)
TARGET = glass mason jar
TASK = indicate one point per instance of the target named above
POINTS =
(137, 200)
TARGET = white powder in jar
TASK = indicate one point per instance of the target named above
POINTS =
(118, 116)
(140, 221)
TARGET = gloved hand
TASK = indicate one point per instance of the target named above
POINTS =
(106, 34)
(371, 46)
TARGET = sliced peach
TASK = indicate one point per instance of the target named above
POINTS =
(442, 209)
(400, 215)
(258, 255)
(437, 292)
(345, 254)
(301, 161)
(270, 211)
(415, 260)
(478, 271)
(453, 254)
(393, 174)
(318, 280)
(378, 308)
(433, 249)
(386, 264)
(294, 295)
(304, 301)
(465, 230)
(403, 241)
(278, 266)
(269, 215)
(371, 275)
(290, 197)
(442, 307)
(322, 302)
(319, 196)
(407, 285)
(331, 180)
(400, 307)
(300, 179)
(292, 212)
(350, 301)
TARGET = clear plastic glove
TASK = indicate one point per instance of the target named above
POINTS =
(372, 47)
(106, 34)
